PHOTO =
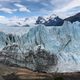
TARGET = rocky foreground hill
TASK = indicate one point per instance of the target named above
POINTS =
(16, 73)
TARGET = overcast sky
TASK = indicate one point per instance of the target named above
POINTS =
(30, 8)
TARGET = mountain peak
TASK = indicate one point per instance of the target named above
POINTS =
(53, 20)
(40, 20)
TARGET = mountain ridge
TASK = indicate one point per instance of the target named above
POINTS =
(73, 18)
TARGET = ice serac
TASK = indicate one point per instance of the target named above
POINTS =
(69, 52)
(39, 35)
(2, 39)
(7, 39)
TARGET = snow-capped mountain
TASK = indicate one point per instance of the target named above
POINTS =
(54, 22)
(19, 22)
(40, 20)
(50, 21)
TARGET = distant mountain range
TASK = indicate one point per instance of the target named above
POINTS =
(57, 21)
(51, 20)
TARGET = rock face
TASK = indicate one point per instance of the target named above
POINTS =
(73, 18)
(61, 42)
(1, 78)
(56, 21)
(40, 20)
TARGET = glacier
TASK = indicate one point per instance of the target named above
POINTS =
(63, 41)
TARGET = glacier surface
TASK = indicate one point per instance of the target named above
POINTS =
(63, 41)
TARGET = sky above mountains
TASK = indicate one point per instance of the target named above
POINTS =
(16, 9)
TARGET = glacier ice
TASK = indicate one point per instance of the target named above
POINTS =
(63, 41)
(40, 36)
